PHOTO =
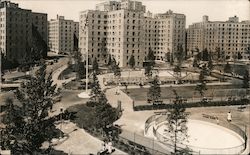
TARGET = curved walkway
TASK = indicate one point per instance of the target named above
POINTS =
(56, 75)
(79, 141)
(133, 121)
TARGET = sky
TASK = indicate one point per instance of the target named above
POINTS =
(217, 10)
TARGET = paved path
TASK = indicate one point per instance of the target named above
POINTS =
(80, 142)
(56, 75)
(133, 121)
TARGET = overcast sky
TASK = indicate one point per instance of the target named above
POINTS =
(218, 10)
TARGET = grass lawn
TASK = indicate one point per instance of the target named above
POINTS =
(84, 116)
(140, 94)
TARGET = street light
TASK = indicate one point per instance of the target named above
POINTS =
(0, 70)
(61, 113)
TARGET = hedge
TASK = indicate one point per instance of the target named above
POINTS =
(191, 105)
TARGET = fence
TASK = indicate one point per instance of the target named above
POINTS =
(136, 80)
(150, 145)
(233, 150)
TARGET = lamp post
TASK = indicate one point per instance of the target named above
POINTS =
(0, 70)
(61, 113)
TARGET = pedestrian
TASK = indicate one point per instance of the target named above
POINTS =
(104, 148)
(229, 116)
(217, 121)
(109, 147)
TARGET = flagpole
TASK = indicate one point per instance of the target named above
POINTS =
(85, 94)
(87, 54)
(0, 70)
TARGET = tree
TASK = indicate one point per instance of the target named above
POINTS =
(151, 56)
(149, 64)
(115, 68)
(248, 51)
(105, 115)
(227, 68)
(95, 66)
(104, 112)
(171, 59)
(239, 56)
(177, 120)
(210, 63)
(179, 54)
(96, 94)
(76, 42)
(246, 79)
(148, 70)
(154, 92)
(28, 125)
(104, 49)
(201, 86)
(167, 56)
(206, 55)
(78, 64)
(195, 62)
(131, 61)
(109, 61)
(218, 52)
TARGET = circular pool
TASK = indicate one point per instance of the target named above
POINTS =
(203, 137)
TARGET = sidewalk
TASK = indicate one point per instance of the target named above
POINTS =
(80, 142)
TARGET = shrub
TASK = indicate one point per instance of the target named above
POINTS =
(190, 105)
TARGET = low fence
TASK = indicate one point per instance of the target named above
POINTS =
(136, 80)
(233, 150)
(141, 142)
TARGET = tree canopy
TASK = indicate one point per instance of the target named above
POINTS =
(131, 61)
(201, 86)
(246, 79)
(227, 68)
(154, 92)
(28, 125)
(177, 119)
(95, 66)
(105, 114)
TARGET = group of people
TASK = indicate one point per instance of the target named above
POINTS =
(107, 148)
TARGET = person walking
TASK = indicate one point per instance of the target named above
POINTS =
(229, 116)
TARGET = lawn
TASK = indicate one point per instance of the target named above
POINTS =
(140, 94)
(84, 116)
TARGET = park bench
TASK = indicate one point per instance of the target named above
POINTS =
(209, 116)
(241, 108)
(158, 102)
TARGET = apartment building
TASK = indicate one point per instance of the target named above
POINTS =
(164, 33)
(229, 37)
(39, 20)
(16, 31)
(61, 35)
(121, 29)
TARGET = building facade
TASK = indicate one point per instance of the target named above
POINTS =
(121, 29)
(16, 31)
(61, 35)
(225, 39)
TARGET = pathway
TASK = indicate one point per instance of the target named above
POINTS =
(80, 142)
